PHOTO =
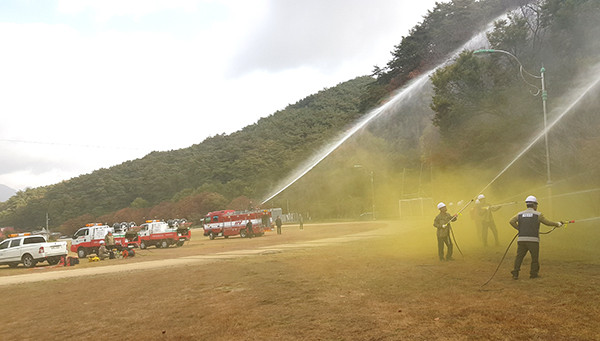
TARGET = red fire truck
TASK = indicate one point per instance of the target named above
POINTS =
(228, 223)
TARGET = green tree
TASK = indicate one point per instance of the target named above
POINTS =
(140, 203)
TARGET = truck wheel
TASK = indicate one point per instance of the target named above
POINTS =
(53, 260)
(28, 261)
(179, 244)
(164, 243)
(81, 252)
(211, 236)
(143, 246)
(243, 233)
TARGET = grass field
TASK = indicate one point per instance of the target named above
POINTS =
(387, 287)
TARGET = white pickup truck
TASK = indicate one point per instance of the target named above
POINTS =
(30, 250)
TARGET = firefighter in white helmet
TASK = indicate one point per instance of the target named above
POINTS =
(442, 223)
(483, 211)
(102, 251)
(528, 224)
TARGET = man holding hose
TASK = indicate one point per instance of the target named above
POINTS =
(486, 219)
(528, 224)
(442, 223)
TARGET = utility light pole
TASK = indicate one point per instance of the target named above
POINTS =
(372, 191)
(544, 94)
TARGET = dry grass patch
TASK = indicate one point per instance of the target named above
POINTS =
(388, 288)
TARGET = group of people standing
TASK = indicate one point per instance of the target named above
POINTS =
(278, 223)
(526, 222)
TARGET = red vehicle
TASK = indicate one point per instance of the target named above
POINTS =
(87, 239)
(228, 223)
(160, 234)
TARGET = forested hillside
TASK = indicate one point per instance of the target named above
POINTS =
(207, 176)
(476, 114)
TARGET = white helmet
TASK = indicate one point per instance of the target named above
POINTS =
(531, 198)
(481, 196)
(440, 205)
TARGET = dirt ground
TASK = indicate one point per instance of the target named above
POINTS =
(343, 281)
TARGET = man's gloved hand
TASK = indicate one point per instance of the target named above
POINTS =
(453, 218)
(560, 223)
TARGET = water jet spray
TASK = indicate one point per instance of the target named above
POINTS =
(541, 134)
(401, 95)
(581, 220)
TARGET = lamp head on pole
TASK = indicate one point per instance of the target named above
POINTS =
(484, 51)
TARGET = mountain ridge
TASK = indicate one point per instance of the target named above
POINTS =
(6, 192)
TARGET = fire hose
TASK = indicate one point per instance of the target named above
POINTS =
(564, 223)
(452, 231)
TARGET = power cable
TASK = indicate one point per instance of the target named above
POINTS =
(67, 144)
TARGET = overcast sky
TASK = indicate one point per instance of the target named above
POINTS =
(90, 84)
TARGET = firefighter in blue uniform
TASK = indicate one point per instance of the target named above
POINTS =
(528, 224)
